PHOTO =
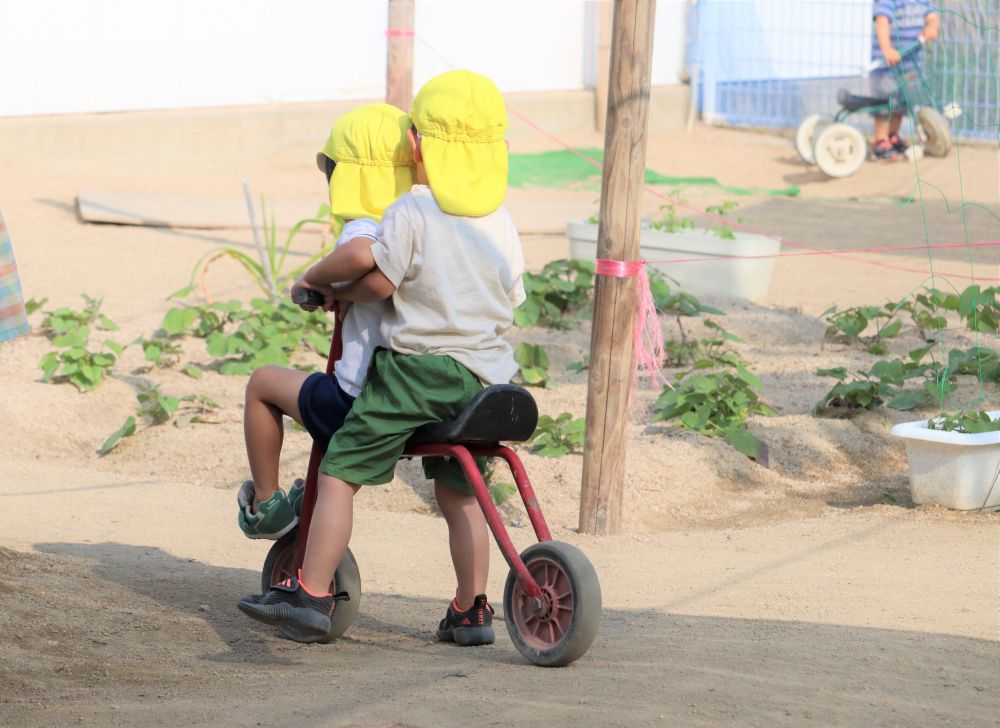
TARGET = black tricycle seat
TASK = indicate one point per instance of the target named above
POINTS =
(853, 102)
(503, 412)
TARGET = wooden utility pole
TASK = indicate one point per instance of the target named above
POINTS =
(611, 356)
(603, 58)
(399, 55)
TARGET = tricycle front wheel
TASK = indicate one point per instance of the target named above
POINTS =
(934, 131)
(278, 566)
(560, 627)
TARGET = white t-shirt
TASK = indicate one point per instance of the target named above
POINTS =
(457, 282)
(361, 322)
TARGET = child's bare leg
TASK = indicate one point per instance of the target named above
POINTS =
(469, 540)
(271, 392)
(329, 532)
(895, 123)
(882, 127)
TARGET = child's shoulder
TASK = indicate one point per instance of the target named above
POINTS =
(362, 227)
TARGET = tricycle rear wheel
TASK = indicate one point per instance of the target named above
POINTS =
(562, 627)
(805, 135)
(347, 578)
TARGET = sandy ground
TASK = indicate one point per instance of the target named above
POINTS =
(809, 592)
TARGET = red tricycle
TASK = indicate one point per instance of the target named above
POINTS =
(552, 598)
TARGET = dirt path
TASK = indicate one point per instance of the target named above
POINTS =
(127, 616)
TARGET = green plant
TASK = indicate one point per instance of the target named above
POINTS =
(579, 366)
(723, 230)
(967, 422)
(885, 383)
(677, 303)
(557, 295)
(670, 221)
(64, 320)
(559, 436)
(977, 308)
(847, 326)
(533, 363)
(716, 397)
(159, 350)
(159, 408)
(500, 492)
(76, 363)
(267, 270)
(267, 334)
(977, 361)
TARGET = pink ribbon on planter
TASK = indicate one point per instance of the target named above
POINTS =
(647, 336)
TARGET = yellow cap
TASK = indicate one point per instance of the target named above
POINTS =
(374, 161)
(461, 119)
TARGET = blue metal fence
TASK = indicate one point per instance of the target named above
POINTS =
(774, 62)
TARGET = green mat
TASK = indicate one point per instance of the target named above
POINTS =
(563, 168)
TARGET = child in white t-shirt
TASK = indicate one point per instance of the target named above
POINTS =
(368, 163)
(450, 258)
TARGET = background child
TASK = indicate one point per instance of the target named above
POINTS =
(368, 163)
(898, 25)
(452, 260)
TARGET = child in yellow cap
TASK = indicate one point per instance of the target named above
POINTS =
(368, 163)
(451, 260)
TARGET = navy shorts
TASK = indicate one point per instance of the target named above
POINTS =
(323, 406)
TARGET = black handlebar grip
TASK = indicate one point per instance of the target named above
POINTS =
(307, 297)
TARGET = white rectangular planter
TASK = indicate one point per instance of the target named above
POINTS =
(739, 278)
(952, 469)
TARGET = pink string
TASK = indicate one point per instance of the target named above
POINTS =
(647, 335)
(400, 33)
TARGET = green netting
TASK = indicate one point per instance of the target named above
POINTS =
(563, 168)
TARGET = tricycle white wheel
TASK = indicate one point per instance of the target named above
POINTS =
(805, 137)
(840, 150)
(934, 131)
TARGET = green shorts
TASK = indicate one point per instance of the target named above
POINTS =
(402, 392)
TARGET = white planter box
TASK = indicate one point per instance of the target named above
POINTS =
(952, 469)
(737, 278)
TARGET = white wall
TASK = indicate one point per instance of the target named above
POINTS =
(63, 56)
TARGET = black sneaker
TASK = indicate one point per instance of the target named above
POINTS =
(898, 144)
(472, 627)
(884, 151)
(288, 603)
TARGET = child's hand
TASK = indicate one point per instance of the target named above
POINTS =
(892, 56)
(325, 291)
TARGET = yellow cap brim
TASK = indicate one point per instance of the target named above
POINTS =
(358, 191)
(467, 178)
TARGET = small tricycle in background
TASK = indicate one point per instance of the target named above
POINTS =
(839, 149)
(552, 598)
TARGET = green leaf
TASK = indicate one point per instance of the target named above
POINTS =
(49, 364)
(891, 329)
(126, 430)
(114, 346)
(192, 371)
(554, 451)
(500, 493)
(152, 352)
(179, 320)
(908, 399)
(744, 442)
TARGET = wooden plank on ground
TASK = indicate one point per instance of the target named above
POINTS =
(175, 211)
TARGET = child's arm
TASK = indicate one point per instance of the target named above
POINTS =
(883, 34)
(932, 26)
(371, 288)
(348, 262)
